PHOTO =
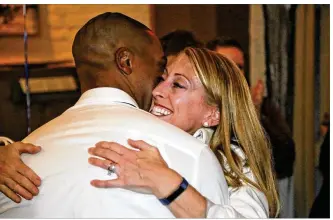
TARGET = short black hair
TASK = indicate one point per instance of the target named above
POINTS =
(95, 42)
(95, 45)
(223, 42)
(176, 41)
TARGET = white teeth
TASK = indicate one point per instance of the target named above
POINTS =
(158, 111)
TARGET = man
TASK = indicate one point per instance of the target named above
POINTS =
(178, 40)
(283, 147)
(321, 205)
(118, 61)
(230, 48)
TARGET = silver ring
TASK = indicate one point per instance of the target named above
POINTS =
(111, 169)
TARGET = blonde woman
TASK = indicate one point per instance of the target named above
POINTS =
(234, 134)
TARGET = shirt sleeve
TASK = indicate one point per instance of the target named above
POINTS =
(245, 202)
(210, 180)
(227, 202)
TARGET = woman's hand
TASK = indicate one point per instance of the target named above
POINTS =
(144, 169)
(16, 179)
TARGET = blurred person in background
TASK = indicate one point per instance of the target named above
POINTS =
(321, 205)
(178, 40)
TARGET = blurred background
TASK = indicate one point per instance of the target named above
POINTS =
(286, 51)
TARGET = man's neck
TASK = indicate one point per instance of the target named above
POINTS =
(128, 91)
(117, 81)
(103, 95)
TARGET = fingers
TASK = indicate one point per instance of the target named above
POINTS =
(23, 187)
(13, 186)
(99, 162)
(107, 183)
(139, 144)
(118, 148)
(30, 174)
(20, 167)
(105, 153)
(146, 150)
(16, 178)
(10, 194)
(26, 182)
(27, 148)
(19, 174)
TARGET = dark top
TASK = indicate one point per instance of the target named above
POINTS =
(283, 146)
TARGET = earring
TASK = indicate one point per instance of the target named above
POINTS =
(205, 124)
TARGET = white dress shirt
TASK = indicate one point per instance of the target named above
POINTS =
(246, 201)
(108, 114)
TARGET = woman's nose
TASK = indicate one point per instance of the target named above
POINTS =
(161, 90)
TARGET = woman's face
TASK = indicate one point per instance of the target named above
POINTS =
(179, 98)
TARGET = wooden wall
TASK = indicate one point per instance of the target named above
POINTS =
(58, 25)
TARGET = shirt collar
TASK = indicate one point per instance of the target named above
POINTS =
(204, 135)
(106, 95)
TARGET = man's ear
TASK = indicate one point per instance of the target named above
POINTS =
(213, 117)
(124, 58)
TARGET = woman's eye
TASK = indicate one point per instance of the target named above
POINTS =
(178, 85)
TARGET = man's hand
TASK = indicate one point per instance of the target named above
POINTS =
(16, 179)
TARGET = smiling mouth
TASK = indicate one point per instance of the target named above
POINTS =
(158, 110)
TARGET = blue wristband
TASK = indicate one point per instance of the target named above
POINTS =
(175, 194)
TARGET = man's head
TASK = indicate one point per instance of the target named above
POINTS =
(113, 50)
(230, 48)
(176, 41)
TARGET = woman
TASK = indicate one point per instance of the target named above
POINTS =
(237, 140)
(201, 77)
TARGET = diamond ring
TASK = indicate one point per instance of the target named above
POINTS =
(111, 169)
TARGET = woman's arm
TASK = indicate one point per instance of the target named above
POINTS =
(16, 179)
(147, 169)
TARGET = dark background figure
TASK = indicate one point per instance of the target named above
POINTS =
(232, 49)
(178, 40)
(321, 205)
(281, 139)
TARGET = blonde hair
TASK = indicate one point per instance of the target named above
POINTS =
(227, 88)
